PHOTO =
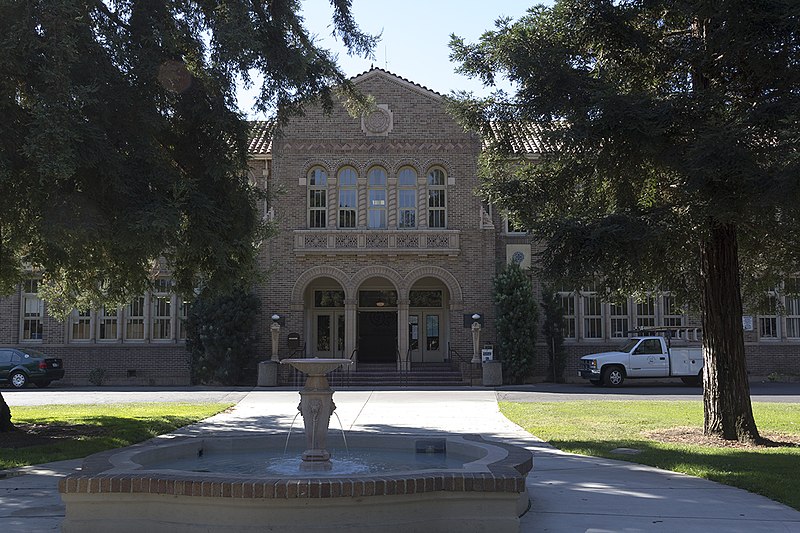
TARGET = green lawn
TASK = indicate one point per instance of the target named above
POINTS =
(597, 427)
(58, 432)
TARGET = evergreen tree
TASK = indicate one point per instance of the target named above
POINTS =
(516, 322)
(553, 330)
(673, 160)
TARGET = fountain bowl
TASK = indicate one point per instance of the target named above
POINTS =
(130, 490)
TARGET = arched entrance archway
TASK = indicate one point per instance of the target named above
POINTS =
(377, 329)
(428, 321)
(324, 300)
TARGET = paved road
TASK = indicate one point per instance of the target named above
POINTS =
(541, 392)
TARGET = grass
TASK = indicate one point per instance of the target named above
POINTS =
(595, 428)
(59, 432)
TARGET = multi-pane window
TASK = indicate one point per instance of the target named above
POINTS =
(437, 199)
(567, 300)
(81, 325)
(592, 316)
(161, 310)
(671, 313)
(407, 197)
(646, 313)
(376, 198)
(107, 323)
(348, 197)
(134, 319)
(32, 311)
(768, 322)
(512, 228)
(317, 198)
(619, 318)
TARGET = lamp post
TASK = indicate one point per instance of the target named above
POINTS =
(476, 339)
(275, 329)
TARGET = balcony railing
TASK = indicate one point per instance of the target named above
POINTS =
(387, 242)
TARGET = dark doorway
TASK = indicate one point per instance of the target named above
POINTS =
(377, 336)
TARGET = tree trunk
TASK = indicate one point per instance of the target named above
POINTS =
(726, 391)
(5, 416)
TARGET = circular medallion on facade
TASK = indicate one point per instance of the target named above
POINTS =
(378, 121)
(518, 257)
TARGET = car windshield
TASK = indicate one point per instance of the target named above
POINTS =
(32, 353)
(628, 346)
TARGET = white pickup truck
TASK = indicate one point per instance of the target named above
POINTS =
(643, 357)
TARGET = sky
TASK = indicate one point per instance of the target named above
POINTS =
(415, 37)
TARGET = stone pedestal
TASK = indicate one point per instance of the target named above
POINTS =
(267, 374)
(492, 374)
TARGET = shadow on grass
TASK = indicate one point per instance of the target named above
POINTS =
(764, 471)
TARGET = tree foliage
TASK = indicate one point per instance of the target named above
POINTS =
(221, 337)
(517, 315)
(121, 141)
(672, 162)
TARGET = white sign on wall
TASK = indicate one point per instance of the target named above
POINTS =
(747, 322)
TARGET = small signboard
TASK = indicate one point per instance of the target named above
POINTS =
(747, 322)
(487, 354)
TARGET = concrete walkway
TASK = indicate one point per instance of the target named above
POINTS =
(569, 493)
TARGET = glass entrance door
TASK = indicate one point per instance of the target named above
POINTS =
(328, 335)
(425, 337)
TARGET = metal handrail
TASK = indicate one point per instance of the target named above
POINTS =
(451, 351)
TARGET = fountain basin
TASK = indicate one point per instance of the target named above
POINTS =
(121, 490)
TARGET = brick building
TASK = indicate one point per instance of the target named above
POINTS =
(384, 253)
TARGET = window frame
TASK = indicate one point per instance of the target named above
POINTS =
(376, 188)
(410, 188)
(317, 215)
(351, 188)
(433, 186)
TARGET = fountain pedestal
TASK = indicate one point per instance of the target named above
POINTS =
(316, 406)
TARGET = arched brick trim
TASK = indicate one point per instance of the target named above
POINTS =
(442, 163)
(377, 271)
(413, 163)
(456, 297)
(311, 163)
(375, 162)
(339, 164)
(318, 272)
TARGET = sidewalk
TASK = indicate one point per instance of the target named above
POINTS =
(569, 493)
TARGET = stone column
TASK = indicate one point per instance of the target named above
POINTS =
(402, 334)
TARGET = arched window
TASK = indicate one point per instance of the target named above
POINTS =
(348, 197)
(317, 198)
(437, 198)
(376, 199)
(407, 198)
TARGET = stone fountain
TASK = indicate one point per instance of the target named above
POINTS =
(167, 485)
(316, 407)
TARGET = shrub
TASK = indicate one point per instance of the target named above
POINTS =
(553, 330)
(220, 337)
(517, 315)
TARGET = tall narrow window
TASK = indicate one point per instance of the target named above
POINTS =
(317, 198)
(81, 325)
(407, 198)
(619, 318)
(348, 198)
(134, 319)
(32, 311)
(671, 313)
(793, 308)
(437, 199)
(592, 315)
(183, 315)
(768, 322)
(567, 299)
(646, 313)
(161, 310)
(376, 201)
(107, 323)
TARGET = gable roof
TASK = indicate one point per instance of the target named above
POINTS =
(379, 72)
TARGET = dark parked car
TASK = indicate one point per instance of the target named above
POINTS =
(20, 366)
